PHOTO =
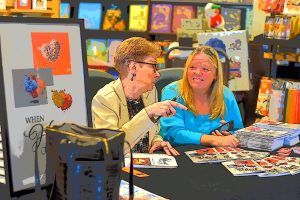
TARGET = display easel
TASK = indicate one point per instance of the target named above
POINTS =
(49, 56)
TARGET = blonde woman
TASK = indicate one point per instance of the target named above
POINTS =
(130, 102)
(209, 103)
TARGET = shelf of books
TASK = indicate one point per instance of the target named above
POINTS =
(109, 23)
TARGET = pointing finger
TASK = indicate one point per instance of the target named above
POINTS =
(176, 104)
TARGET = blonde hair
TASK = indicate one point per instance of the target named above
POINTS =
(217, 105)
(135, 48)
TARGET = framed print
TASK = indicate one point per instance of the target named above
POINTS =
(92, 15)
(41, 59)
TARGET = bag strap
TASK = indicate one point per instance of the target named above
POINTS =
(38, 189)
(131, 189)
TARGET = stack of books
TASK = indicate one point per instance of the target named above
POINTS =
(292, 129)
(254, 137)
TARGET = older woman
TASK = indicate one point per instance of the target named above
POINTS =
(209, 103)
(129, 103)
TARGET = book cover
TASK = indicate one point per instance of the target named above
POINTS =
(181, 12)
(291, 7)
(272, 170)
(249, 20)
(161, 18)
(92, 14)
(139, 193)
(113, 19)
(112, 47)
(255, 155)
(244, 167)
(232, 18)
(2, 179)
(207, 155)
(290, 165)
(138, 17)
(23, 4)
(146, 160)
(3, 4)
(65, 10)
(227, 155)
(200, 12)
(279, 126)
(97, 53)
(276, 105)
(182, 33)
(292, 106)
(39, 4)
(263, 99)
(191, 24)
(262, 132)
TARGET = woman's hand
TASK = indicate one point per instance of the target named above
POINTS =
(219, 141)
(218, 133)
(164, 108)
(166, 146)
(227, 141)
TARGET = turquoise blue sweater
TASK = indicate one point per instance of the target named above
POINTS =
(186, 128)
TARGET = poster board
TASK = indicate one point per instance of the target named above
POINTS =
(42, 78)
(235, 44)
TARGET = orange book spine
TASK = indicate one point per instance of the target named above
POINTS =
(297, 121)
(291, 110)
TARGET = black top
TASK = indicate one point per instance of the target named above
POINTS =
(134, 107)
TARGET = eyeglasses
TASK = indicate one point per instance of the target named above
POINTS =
(154, 65)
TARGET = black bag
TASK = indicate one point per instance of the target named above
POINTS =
(83, 163)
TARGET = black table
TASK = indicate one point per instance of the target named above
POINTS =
(213, 181)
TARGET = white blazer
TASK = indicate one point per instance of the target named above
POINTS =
(109, 110)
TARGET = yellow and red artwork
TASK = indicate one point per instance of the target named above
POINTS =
(52, 50)
(61, 99)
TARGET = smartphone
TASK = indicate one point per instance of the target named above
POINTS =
(225, 127)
